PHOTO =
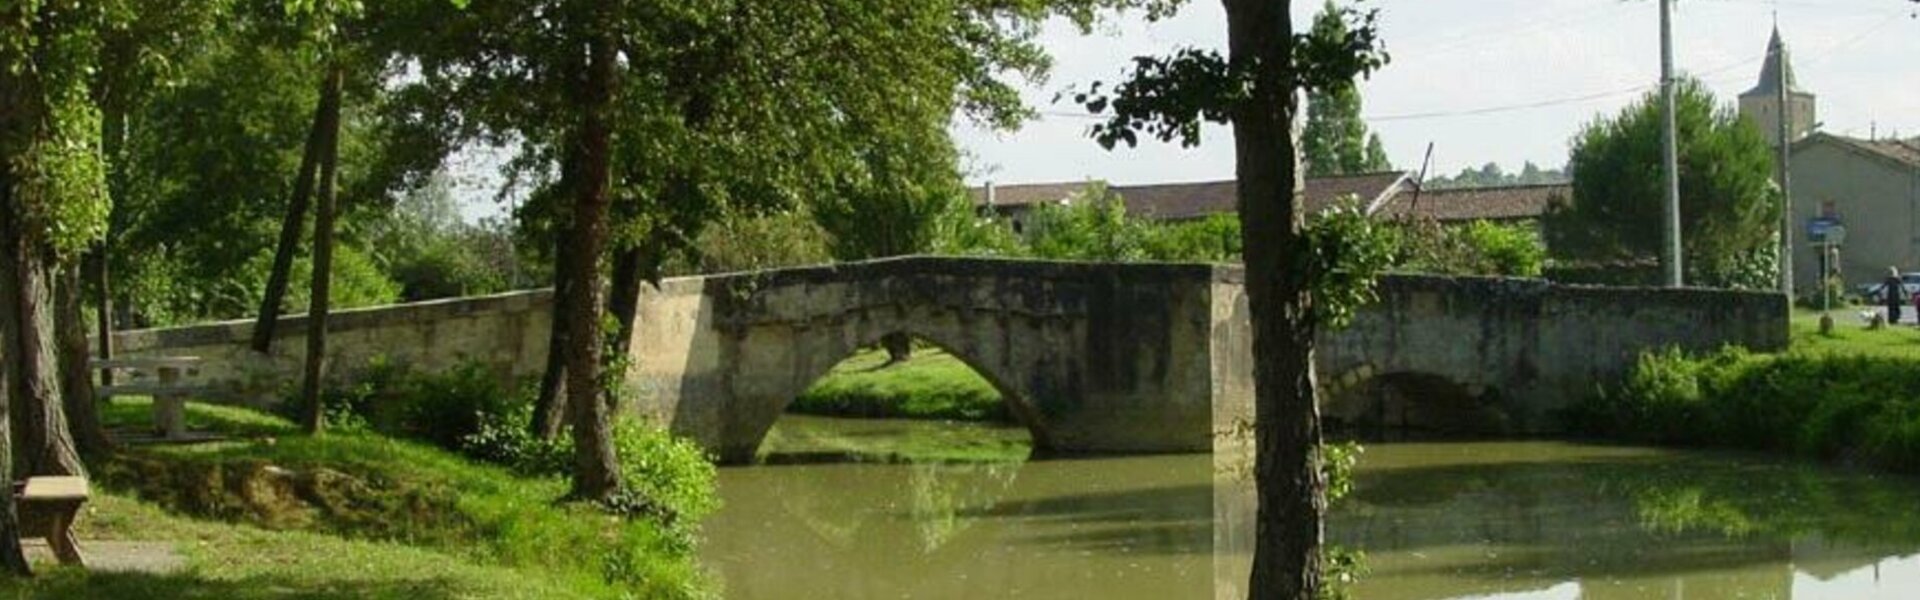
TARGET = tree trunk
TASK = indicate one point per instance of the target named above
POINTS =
(550, 408)
(113, 138)
(313, 419)
(596, 474)
(625, 301)
(12, 557)
(290, 227)
(76, 377)
(42, 443)
(899, 348)
(1288, 482)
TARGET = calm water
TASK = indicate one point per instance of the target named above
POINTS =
(1532, 520)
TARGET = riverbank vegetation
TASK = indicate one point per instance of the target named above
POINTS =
(1853, 408)
(267, 512)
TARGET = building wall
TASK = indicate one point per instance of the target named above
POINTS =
(1874, 199)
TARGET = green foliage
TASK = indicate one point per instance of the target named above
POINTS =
(931, 385)
(1478, 248)
(1214, 239)
(1347, 252)
(1853, 408)
(425, 248)
(1729, 208)
(51, 169)
(1091, 225)
(397, 491)
(752, 242)
(470, 409)
(1335, 140)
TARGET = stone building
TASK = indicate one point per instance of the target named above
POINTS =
(1870, 186)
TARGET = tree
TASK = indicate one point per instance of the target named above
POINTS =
(319, 299)
(1336, 141)
(1290, 287)
(1729, 206)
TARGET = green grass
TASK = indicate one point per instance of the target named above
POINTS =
(226, 560)
(805, 437)
(931, 385)
(1851, 336)
(270, 513)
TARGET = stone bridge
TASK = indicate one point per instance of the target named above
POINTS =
(1090, 357)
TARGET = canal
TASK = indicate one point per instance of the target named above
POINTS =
(1505, 520)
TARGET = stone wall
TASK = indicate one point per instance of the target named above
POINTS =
(1488, 355)
(1090, 357)
(506, 331)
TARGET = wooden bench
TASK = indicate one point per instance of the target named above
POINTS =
(47, 508)
(169, 387)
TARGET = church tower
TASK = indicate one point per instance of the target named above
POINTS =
(1762, 103)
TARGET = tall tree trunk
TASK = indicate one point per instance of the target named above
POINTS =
(76, 377)
(320, 299)
(1287, 478)
(550, 407)
(113, 143)
(625, 300)
(293, 223)
(596, 473)
(42, 443)
(12, 557)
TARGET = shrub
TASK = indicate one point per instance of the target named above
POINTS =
(1857, 409)
(471, 410)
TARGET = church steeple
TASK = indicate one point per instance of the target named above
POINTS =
(1777, 60)
(1762, 103)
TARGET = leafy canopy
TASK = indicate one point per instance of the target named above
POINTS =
(1729, 209)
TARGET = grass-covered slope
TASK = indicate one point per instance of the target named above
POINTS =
(270, 513)
(931, 385)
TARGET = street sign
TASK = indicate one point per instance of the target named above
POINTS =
(1820, 230)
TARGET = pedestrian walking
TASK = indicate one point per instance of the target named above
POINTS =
(1893, 294)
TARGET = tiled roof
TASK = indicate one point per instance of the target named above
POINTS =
(1173, 201)
(1467, 204)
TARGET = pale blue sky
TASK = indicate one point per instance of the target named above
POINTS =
(1575, 58)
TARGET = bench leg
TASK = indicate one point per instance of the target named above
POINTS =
(61, 540)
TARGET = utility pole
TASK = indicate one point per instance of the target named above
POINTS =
(1785, 113)
(1670, 151)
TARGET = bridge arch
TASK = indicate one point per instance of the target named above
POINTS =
(1012, 395)
(1420, 404)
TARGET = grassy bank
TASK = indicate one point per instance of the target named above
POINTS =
(270, 513)
(931, 385)
(1854, 408)
(1851, 337)
(807, 438)
(227, 560)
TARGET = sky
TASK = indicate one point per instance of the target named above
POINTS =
(1504, 81)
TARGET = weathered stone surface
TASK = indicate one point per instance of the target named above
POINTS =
(1091, 357)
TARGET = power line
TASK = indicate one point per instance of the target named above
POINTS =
(1712, 75)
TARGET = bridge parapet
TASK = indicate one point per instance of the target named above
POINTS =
(1092, 357)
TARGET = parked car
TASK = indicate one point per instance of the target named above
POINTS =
(1872, 291)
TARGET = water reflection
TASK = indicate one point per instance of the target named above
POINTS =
(1480, 520)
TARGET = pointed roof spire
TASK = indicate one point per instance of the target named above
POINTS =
(1777, 59)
